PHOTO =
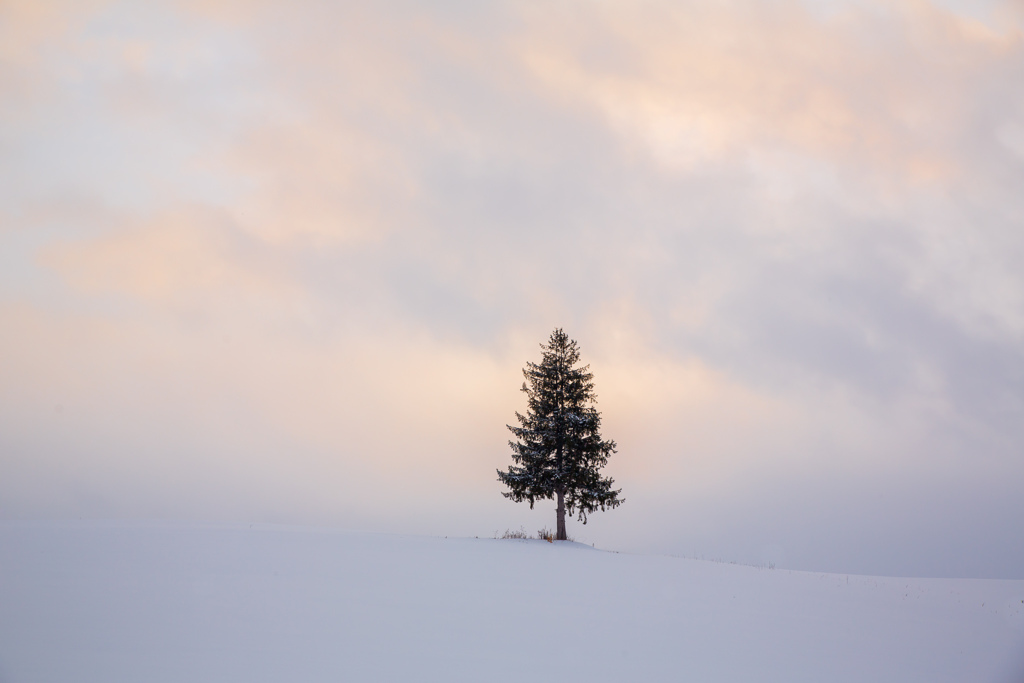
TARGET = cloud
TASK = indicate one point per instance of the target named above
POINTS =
(695, 83)
(288, 262)
(181, 257)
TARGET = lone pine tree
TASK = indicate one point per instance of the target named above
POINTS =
(558, 450)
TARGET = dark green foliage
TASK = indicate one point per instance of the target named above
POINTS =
(558, 450)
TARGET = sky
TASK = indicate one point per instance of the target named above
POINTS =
(285, 262)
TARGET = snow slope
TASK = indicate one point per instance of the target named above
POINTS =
(83, 602)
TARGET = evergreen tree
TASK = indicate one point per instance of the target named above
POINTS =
(558, 448)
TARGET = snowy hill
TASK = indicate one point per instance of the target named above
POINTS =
(148, 602)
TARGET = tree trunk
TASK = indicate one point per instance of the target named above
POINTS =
(560, 527)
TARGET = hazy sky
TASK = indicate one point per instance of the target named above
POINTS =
(284, 262)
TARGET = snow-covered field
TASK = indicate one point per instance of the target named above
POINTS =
(150, 602)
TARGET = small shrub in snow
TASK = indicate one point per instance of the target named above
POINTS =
(521, 533)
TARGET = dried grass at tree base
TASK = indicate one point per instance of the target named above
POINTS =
(544, 534)
(520, 533)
